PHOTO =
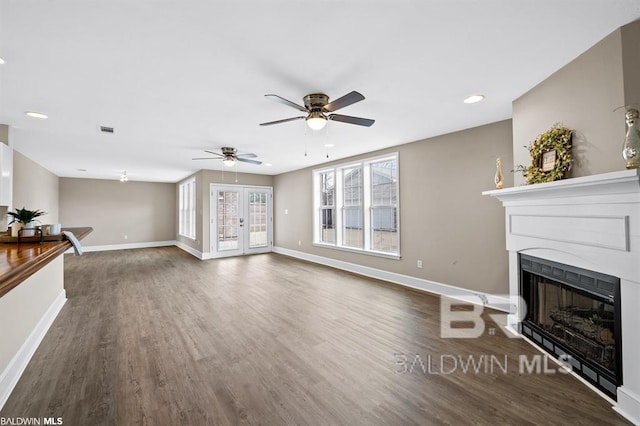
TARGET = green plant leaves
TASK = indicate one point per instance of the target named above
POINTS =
(558, 138)
(25, 216)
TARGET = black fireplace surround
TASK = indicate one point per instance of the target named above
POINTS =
(575, 312)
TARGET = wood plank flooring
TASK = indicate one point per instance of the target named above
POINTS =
(157, 337)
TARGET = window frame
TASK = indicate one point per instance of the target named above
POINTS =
(366, 200)
(358, 207)
(373, 206)
(322, 208)
(187, 208)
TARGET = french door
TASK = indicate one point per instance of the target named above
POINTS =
(241, 220)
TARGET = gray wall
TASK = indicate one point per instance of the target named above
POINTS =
(4, 134)
(204, 178)
(35, 188)
(143, 211)
(631, 62)
(583, 96)
(444, 219)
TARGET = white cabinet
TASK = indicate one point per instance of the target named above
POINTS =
(6, 174)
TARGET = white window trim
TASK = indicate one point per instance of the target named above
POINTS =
(365, 164)
(187, 225)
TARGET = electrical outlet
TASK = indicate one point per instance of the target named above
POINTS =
(420, 264)
(125, 237)
(286, 211)
(299, 242)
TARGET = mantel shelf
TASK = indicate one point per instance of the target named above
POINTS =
(625, 181)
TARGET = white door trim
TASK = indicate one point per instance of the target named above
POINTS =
(244, 248)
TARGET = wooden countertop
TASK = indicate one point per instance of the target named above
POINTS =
(20, 261)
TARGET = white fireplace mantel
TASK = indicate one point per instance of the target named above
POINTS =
(591, 222)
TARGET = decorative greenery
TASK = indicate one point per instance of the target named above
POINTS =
(558, 138)
(25, 216)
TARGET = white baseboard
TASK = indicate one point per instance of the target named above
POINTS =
(190, 250)
(628, 405)
(500, 303)
(181, 245)
(127, 246)
(10, 376)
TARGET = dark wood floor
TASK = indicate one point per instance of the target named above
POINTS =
(157, 337)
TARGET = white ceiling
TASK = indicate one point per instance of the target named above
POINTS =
(177, 77)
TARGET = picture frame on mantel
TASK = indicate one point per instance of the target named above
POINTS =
(548, 160)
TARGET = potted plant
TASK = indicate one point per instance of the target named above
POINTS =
(24, 219)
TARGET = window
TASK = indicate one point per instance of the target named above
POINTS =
(357, 206)
(187, 209)
(327, 211)
(352, 221)
(384, 206)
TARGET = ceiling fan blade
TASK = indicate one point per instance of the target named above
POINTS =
(214, 153)
(246, 160)
(352, 120)
(206, 158)
(281, 121)
(286, 102)
(247, 155)
(346, 100)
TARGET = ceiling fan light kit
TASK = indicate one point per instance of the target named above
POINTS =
(316, 121)
(319, 109)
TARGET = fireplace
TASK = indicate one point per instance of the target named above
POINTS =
(574, 312)
(576, 235)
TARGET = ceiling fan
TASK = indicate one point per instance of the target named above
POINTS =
(229, 156)
(318, 109)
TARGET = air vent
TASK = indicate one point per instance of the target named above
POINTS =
(106, 129)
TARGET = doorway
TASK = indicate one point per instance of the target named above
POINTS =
(241, 220)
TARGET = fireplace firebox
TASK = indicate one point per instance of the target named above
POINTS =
(574, 313)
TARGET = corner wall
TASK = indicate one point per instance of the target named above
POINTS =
(584, 95)
(445, 221)
(35, 187)
(204, 179)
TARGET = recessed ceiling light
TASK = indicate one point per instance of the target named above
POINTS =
(268, 164)
(473, 99)
(35, 114)
(81, 170)
(1, 60)
(329, 145)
